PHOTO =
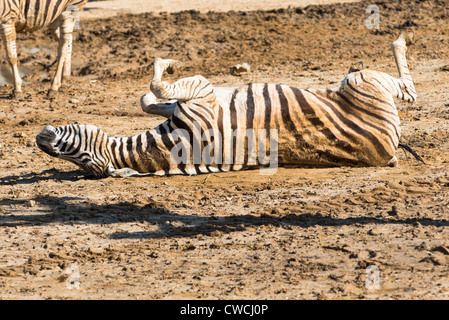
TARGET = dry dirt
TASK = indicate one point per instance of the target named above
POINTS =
(109, 8)
(300, 234)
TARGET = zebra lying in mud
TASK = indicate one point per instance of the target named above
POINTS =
(31, 15)
(254, 126)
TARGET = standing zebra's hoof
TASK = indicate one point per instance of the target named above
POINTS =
(17, 95)
(52, 94)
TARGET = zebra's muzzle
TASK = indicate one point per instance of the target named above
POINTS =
(45, 141)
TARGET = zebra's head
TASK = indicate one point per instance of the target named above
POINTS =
(84, 145)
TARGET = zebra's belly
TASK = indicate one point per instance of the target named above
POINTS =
(29, 26)
(37, 18)
(306, 155)
(322, 151)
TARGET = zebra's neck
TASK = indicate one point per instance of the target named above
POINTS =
(141, 153)
(160, 151)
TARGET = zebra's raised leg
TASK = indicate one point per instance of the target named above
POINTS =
(8, 34)
(66, 26)
(162, 65)
(150, 105)
(406, 85)
(149, 102)
(184, 89)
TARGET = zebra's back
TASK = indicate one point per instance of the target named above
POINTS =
(30, 15)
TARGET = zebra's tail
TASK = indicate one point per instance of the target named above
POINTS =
(413, 153)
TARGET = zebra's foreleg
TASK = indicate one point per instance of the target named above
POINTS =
(162, 65)
(67, 23)
(8, 34)
(180, 90)
(150, 105)
(54, 29)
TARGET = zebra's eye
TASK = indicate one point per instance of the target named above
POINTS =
(86, 161)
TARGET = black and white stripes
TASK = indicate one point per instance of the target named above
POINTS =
(258, 125)
(31, 15)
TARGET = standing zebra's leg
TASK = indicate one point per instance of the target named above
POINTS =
(67, 70)
(407, 90)
(66, 25)
(183, 89)
(8, 34)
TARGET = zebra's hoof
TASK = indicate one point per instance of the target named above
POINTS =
(409, 38)
(355, 67)
(240, 69)
(393, 162)
(17, 95)
(52, 94)
(404, 39)
(174, 66)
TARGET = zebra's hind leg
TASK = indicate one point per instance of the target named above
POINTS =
(66, 26)
(406, 88)
(393, 162)
(56, 33)
(356, 67)
(8, 34)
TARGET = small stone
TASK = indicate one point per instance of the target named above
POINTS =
(31, 203)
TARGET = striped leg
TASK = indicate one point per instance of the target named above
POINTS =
(54, 29)
(162, 65)
(67, 70)
(66, 25)
(8, 34)
(183, 89)
(160, 89)
(406, 90)
(150, 105)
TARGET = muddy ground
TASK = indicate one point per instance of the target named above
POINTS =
(302, 233)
